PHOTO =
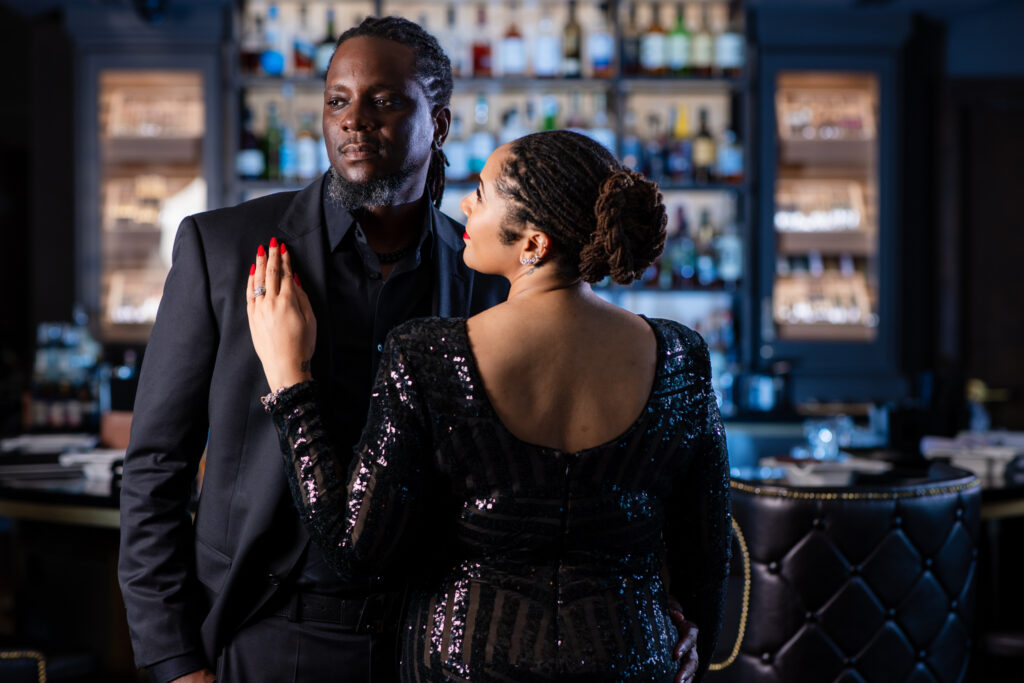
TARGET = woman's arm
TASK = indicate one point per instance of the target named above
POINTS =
(698, 532)
(358, 514)
(356, 510)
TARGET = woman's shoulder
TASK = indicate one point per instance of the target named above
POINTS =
(680, 349)
(426, 337)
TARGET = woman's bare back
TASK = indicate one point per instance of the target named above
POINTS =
(565, 370)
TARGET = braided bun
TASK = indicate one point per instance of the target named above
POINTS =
(630, 229)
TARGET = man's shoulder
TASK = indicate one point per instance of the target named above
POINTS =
(260, 209)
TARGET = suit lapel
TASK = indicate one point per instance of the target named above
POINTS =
(302, 227)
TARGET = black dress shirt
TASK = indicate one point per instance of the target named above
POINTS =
(363, 309)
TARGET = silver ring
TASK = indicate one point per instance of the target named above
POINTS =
(259, 290)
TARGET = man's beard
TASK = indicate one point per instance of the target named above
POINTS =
(381, 190)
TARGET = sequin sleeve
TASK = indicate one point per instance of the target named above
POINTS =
(357, 507)
(698, 526)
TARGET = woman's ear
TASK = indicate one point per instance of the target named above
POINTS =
(538, 243)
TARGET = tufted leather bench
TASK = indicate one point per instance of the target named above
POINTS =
(866, 583)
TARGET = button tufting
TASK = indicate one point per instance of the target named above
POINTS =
(810, 616)
(766, 657)
(953, 605)
(897, 522)
(959, 513)
(773, 567)
(818, 523)
(922, 655)
(891, 613)
(928, 562)
(855, 570)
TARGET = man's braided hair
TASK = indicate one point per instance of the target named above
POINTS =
(433, 72)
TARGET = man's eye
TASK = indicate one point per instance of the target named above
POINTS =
(390, 102)
(478, 197)
(335, 102)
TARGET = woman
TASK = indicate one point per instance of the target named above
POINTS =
(541, 469)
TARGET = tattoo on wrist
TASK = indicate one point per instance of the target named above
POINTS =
(304, 366)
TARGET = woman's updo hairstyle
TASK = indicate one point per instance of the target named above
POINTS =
(602, 218)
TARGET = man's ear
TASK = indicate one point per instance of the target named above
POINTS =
(442, 124)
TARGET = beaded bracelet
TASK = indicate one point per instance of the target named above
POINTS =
(270, 399)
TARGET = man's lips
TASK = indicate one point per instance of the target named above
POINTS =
(360, 150)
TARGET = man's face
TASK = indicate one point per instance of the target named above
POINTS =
(378, 123)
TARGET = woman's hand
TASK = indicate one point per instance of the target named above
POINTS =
(280, 318)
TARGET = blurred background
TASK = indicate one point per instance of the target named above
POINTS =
(840, 178)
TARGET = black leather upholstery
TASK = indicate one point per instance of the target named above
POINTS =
(869, 584)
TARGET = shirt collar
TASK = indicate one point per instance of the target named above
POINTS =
(340, 220)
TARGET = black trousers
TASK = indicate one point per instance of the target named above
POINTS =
(276, 650)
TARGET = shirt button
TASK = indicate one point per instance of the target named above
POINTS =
(380, 347)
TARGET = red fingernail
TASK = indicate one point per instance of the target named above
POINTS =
(295, 276)
(273, 242)
(283, 250)
(261, 252)
(252, 269)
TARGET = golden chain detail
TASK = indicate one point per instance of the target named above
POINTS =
(28, 654)
(745, 604)
(776, 492)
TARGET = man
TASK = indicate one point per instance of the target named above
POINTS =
(242, 591)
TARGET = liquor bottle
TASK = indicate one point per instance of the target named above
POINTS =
(325, 49)
(249, 163)
(323, 159)
(289, 153)
(512, 127)
(601, 46)
(703, 151)
(576, 123)
(702, 46)
(457, 151)
(652, 45)
(654, 150)
(549, 112)
(632, 149)
(706, 262)
(730, 159)
(251, 46)
(303, 49)
(272, 59)
(572, 40)
(729, 247)
(667, 264)
(630, 50)
(679, 160)
(679, 44)
(306, 149)
(454, 46)
(547, 59)
(481, 45)
(272, 143)
(686, 257)
(481, 142)
(600, 129)
(513, 50)
(730, 48)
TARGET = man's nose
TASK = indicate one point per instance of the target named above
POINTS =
(358, 116)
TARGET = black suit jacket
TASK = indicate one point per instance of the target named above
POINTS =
(187, 586)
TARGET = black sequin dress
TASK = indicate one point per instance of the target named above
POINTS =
(527, 563)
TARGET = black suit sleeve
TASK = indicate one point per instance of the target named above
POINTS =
(698, 520)
(156, 567)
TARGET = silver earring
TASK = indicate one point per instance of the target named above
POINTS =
(528, 261)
